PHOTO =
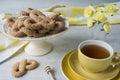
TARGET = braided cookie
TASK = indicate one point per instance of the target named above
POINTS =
(32, 33)
(10, 21)
(17, 33)
(19, 23)
(59, 26)
(20, 68)
(37, 15)
(16, 27)
(32, 24)
(26, 12)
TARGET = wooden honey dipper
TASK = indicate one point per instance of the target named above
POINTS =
(48, 70)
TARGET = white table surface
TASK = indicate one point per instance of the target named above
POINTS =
(62, 44)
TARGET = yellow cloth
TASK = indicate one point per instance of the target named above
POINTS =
(6, 41)
(75, 14)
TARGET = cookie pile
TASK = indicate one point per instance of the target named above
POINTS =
(34, 23)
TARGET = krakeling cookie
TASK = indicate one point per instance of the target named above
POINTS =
(34, 23)
(20, 68)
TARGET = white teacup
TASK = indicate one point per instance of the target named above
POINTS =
(95, 55)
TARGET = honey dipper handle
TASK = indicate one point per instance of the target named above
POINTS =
(51, 76)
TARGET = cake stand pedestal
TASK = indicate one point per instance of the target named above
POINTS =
(38, 47)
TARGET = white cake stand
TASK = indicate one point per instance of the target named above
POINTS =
(37, 46)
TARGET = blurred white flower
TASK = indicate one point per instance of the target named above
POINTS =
(89, 11)
(111, 8)
(100, 8)
(100, 17)
(107, 27)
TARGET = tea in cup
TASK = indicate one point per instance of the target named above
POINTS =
(95, 55)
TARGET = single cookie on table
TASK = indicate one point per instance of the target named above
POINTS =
(20, 68)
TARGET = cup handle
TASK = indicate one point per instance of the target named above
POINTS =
(116, 59)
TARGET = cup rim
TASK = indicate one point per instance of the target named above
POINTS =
(111, 53)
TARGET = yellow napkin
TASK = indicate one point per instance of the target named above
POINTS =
(75, 16)
(6, 42)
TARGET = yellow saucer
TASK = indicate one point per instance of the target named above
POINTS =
(72, 72)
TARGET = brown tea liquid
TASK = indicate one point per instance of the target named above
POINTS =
(95, 51)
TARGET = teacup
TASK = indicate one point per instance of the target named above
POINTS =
(95, 55)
